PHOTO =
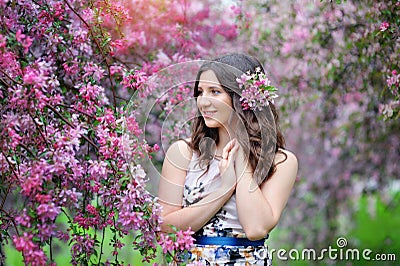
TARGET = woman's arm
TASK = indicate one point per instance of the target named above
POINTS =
(171, 192)
(260, 207)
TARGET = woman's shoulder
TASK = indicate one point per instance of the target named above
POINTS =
(179, 153)
(286, 158)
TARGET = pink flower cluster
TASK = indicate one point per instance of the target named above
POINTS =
(24, 40)
(388, 109)
(393, 82)
(32, 253)
(180, 241)
(135, 80)
(257, 91)
(82, 246)
(384, 26)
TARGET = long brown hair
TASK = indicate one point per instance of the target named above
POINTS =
(258, 132)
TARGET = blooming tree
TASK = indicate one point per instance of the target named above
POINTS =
(68, 148)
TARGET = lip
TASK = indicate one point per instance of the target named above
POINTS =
(208, 113)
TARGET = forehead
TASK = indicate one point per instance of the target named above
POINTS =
(208, 78)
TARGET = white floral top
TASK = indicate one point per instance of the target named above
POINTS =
(199, 184)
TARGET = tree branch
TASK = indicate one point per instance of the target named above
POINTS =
(10, 78)
(71, 125)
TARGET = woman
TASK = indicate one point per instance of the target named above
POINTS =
(231, 180)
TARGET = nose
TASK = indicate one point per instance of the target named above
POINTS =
(203, 101)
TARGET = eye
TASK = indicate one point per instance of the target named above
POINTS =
(199, 92)
(217, 92)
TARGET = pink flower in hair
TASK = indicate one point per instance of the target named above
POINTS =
(257, 91)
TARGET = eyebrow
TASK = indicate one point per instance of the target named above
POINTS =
(210, 87)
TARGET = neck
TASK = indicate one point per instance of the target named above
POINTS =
(224, 137)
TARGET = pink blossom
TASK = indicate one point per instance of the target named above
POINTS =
(71, 68)
(166, 243)
(31, 185)
(48, 211)
(93, 70)
(31, 76)
(133, 126)
(23, 219)
(384, 26)
(117, 46)
(108, 117)
(97, 170)
(229, 31)
(134, 80)
(3, 41)
(90, 92)
(139, 174)
(45, 18)
(286, 48)
(62, 236)
(31, 252)
(46, 230)
(82, 245)
(387, 110)
(26, 41)
(40, 198)
(184, 240)
(24, 243)
(59, 10)
(131, 219)
(237, 10)
(88, 14)
(3, 3)
(19, 35)
(393, 82)
(69, 197)
(116, 69)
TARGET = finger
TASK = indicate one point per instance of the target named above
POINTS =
(228, 147)
(235, 148)
(233, 152)
(226, 150)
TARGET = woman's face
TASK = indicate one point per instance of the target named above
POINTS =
(213, 101)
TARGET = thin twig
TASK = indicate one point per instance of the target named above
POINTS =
(38, 128)
(5, 196)
(69, 218)
(10, 165)
(27, 149)
(71, 125)
(12, 220)
(3, 107)
(10, 78)
(5, 83)
(51, 248)
(101, 246)
(66, 106)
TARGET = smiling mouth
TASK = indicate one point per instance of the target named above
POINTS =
(208, 114)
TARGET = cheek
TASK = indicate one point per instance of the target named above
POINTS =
(228, 103)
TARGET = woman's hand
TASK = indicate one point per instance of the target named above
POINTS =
(227, 164)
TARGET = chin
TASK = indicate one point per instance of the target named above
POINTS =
(212, 124)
